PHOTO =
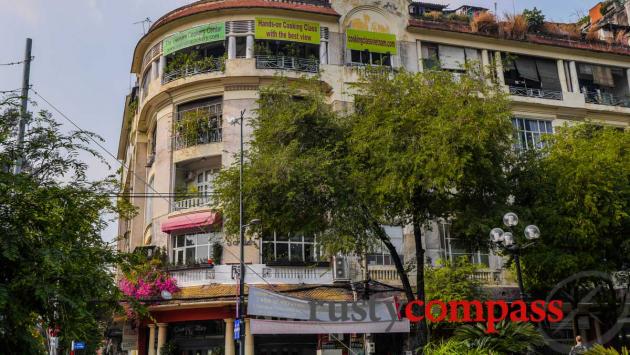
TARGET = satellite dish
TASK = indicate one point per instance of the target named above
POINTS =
(166, 295)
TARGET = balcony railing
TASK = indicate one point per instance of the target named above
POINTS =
(193, 202)
(206, 66)
(603, 98)
(287, 63)
(201, 125)
(536, 93)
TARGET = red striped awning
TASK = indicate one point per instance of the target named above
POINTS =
(194, 222)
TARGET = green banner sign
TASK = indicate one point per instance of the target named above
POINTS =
(211, 32)
(287, 30)
(374, 42)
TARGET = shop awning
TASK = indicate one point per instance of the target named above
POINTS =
(190, 222)
(264, 326)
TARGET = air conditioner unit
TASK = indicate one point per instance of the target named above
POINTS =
(370, 348)
(341, 269)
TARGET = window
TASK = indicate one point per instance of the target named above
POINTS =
(370, 58)
(379, 254)
(450, 58)
(193, 248)
(148, 211)
(453, 248)
(205, 182)
(530, 132)
(285, 248)
(198, 122)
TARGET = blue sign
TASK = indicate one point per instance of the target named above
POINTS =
(79, 345)
(237, 329)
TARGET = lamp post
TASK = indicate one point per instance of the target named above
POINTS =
(507, 242)
(242, 227)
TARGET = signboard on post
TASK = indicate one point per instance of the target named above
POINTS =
(78, 345)
(280, 29)
(237, 329)
(374, 42)
(211, 32)
(129, 338)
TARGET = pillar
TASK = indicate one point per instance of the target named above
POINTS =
(231, 47)
(485, 65)
(161, 67)
(229, 337)
(575, 83)
(249, 47)
(249, 339)
(420, 58)
(628, 77)
(562, 75)
(161, 337)
(151, 339)
(498, 60)
(323, 52)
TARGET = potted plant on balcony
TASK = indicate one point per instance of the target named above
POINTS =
(217, 252)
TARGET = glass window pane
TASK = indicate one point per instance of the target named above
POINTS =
(387, 260)
(371, 259)
(309, 252)
(296, 238)
(296, 252)
(309, 239)
(202, 253)
(529, 140)
(284, 237)
(355, 56)
(267, 252)
(180, 257)
(282, 252)
(528, 126)
(203, 239)
(190, 240)
(180, 241)
(549, 128)
(173, 242)
(190, 255)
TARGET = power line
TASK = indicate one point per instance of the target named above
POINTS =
(170, 203)
(17, 63)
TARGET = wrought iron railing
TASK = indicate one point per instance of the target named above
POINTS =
(201, 125)
(536, 93)
(208, 65)
(287, 63)
(604, 98)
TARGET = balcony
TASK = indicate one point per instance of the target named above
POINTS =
(536, 93)
(603, 98)
(207, 65)
(287, 63)
(192, 202)
(201, 125)
(199, 275)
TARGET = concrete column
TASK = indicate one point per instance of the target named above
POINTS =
(161, 337)
(323, 52)
(498, 61)
(151, 339)
(575, 83)
(249, 47)
(485, 65)
(562, 76)
(420, 59)
(161, 67)
(229, 337)
(628, 77)
(231, 47)
(249, 339)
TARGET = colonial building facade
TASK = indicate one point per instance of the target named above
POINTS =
(201, 65)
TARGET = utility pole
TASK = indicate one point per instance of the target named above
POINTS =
(241, 295)
(24, 107)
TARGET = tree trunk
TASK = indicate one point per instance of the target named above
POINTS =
(423, 330)
(404, 278)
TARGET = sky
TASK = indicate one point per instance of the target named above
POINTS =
(83, 51)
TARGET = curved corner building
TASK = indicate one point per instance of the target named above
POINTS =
(201, 65)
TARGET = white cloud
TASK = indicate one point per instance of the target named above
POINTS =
(27, 10)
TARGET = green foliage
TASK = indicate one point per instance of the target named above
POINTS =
(132, 109)
(535, 18)
(510, 337)
(600, 350)
(454, 347)
(452, 281)
(56, 269)
(577, 190)
(192, 59)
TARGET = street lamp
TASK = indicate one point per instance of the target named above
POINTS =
(507, 242)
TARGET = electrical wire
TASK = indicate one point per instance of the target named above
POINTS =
(17, 63)
(169, 201)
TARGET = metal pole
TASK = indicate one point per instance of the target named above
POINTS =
(24, 108)
(241, 300)
(519, 275)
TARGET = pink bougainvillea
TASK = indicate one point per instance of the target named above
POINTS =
(149, 285)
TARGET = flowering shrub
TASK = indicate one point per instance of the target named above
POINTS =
(148, 285)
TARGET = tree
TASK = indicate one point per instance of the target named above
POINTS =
(577, 190)
(433, 145)
(510, 337)
(535, 18)
(55, 270)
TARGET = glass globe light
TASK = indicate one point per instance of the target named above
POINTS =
(496, 235)
(508, 239)
(532, 232)
(510, 219)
